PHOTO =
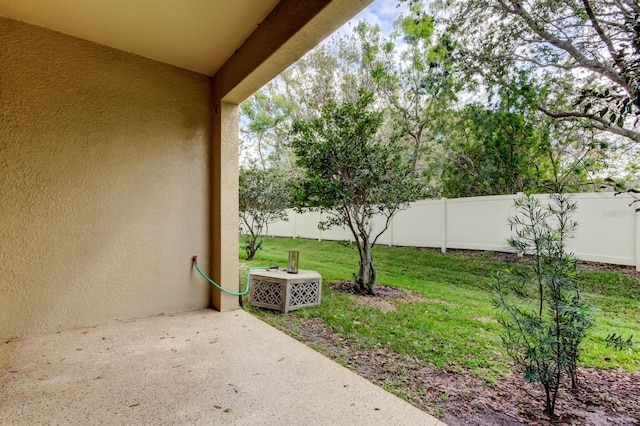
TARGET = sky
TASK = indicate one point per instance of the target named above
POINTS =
(379, 12)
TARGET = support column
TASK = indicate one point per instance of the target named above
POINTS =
(224, 206)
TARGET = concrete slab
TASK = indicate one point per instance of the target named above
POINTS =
(197, 368)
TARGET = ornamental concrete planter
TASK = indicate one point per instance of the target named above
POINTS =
(285, 292)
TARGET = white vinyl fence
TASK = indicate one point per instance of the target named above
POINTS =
(608, 227)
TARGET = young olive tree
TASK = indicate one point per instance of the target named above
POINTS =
(263, 198)
(545, 318)
(352, 175)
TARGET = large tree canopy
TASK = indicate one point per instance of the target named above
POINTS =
(546, 104)
(509, 147)
(583, 54)
(492, 152)
(412, 73)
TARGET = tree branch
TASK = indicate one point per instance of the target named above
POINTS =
(605, 39)
(591, 64)
(597, 121)
(545, 64)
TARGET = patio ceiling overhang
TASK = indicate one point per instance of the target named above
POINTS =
(240, 41)
(239, 44)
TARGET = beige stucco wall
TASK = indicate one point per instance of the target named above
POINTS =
(224, 202)
(104, 183)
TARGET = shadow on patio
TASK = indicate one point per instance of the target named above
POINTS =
(199, 367)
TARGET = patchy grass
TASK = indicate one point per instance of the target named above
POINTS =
(451, 326)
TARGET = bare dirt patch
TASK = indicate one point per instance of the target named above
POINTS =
(459, 398)
(348, 287)
(375, 302)
(486, 320)
(384, 298)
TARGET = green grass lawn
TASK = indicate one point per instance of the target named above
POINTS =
(453, 326)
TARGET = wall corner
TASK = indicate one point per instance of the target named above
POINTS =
(224, 205)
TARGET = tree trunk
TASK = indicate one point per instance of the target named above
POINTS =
(250, 247)
(573, 373)
(367, 272)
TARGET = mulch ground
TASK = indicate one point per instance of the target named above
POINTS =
(458, 398)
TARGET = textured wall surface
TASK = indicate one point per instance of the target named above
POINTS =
(104, 183)
(224, 201)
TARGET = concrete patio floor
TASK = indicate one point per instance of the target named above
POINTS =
(195, 368)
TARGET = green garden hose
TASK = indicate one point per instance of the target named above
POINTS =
(194, 259)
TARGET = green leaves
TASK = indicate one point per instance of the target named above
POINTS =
(350, 173)
(493, 152)
(417, 26)
(586, 52)
(544, 316)
(263, 197)
(345, 161)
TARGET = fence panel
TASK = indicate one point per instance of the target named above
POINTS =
(479, 223)
(336, 233)
(307, 226)
(420, 225)
(605, 231)
(608, 229)
(283, 227)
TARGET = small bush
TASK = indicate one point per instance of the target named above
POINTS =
(545, 317)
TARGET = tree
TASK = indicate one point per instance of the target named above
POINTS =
(545, 318)
(492, 152)
(352, 175)
(263, 198)
(413, 75)
(585, 53)
(265, 117)
(506, 146)
(333, 70)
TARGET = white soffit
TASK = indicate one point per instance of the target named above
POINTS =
(198, 35)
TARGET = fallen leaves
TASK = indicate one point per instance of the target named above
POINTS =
(467, 399)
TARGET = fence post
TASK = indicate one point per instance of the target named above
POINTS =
(443, 200)
(295, 224)
(637, 210)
